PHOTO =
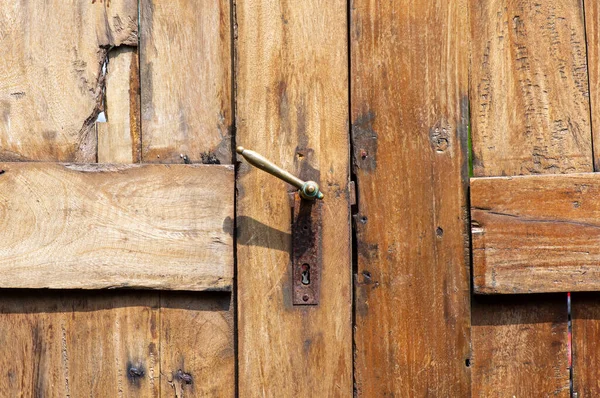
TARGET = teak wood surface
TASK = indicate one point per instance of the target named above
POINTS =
(536, 234)
(530, 114)
(409, 134)
(380, 92)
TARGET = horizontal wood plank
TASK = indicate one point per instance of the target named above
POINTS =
(536, 233)
(116, 226)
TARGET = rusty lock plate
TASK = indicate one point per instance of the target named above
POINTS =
(306, 251)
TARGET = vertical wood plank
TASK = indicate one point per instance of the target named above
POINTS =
(292, 107)
(51, 87)
(78, 344)
(520, 346)
(592, 33)
(186, 81)
(197, 345)
(585, 313)
(585, 308)
(119, 139)
(530, 110)
(530, 115)
(409, 129)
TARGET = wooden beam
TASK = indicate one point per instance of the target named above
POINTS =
(508, 321)
(536, 234)
(112, 226)
(530, 98)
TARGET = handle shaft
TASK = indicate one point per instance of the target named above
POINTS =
(308, 189)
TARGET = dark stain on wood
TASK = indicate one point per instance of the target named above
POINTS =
(364, 140)
(209, 158)
(135, 373)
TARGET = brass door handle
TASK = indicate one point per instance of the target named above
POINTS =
(307, 189)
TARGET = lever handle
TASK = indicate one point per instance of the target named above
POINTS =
(307, 189)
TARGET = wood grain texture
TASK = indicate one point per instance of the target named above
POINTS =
(186, 81)
(536, 234)
(520, 346)
(60, 344)
(197, 345)
(292, 107)
(528, 116)
(585, 307)
(592, 32)
(585, 314)
(409, 128)
(51, 87)
(529, 91)
(95, 226)
(119, 139)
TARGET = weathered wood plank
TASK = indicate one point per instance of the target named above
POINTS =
(51, 87)
(592, 33)
(106, 226)
(520, 346)
(536, 234)
(529, 91)
(197, 353)
(75, 344)
(529, 116)
(186, 81)
(292, 107)
(585, 307)
(585, 313)
(409, 128)
(119, 139)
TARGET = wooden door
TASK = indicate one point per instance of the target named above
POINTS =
(117, 172)
(91, 205)
(140, 256)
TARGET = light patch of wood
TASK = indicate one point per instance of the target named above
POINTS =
(292, 107)
(111, 226)
(51, 83)
(536, 234)
(119, 138)
(530, 97)
(186, 80)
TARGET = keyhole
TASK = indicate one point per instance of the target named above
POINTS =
(305, 274)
